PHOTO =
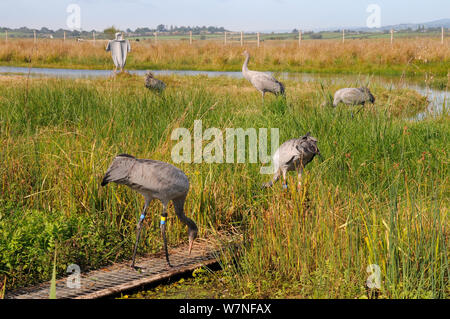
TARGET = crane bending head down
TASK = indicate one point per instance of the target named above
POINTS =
(294, 154)
(154, 180)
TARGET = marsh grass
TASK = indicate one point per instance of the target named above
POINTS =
(379, 196)
(417, 56)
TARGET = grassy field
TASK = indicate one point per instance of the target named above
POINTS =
(251, 37)
(425, 58)
(234, 35)
(379, 196)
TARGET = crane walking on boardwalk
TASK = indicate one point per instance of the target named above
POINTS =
(154, 180)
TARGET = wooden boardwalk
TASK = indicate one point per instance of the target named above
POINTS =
(121, 277)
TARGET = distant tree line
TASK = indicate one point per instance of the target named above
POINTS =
(109, 32)
(24, 32)
(175, 29)
(318, 34)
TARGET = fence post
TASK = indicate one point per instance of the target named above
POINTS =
(6, 38)
(343, 35)
(64, 36)
(93, 36)
(242, 38)
(392, 36)
(442, 35)
(156, 37)
(299, 37)
(190, 37)
(225, 38)
(257, 35)
(34, 33)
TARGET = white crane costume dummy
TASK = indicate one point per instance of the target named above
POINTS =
(119, 49)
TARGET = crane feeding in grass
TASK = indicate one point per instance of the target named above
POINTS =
(154, 180)
(293, 154)
(153, 83)
(263, 82)
(353, 96)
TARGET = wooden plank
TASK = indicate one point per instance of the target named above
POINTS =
(146, 280)
(120, 277)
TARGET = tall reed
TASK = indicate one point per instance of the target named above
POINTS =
(417, 56)
(379, 196)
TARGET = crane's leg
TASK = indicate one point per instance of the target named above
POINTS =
(360, 109)
(275, 178)
(139, 226)
(163, 232)
(285, 186)
(262, 94)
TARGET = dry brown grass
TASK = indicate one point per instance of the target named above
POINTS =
(405, 56)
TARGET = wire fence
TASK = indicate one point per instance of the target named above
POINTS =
(236, 38)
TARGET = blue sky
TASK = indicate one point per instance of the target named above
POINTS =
(246, 15)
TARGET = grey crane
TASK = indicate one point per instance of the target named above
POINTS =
(263, 82)
(154, 180)
(153, 83)
(353, 96)
(293, 154)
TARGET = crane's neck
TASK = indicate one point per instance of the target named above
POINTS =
(179, 210)
(245, 66)
(188, 222)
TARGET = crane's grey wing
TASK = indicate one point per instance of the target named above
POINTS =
(350, 96)
(281, 86)
(108, 46)
(291, 160)
(262, 77)
(162, 179)
(307, 149)
(264, 81)
(353, 96)
(119, 170)
(162, 85)
(286, 153)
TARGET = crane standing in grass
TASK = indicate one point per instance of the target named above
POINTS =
(353, 96)
(263, 82)
(154, 180)
(293, 154)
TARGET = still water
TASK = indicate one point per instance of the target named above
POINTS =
(438, 99)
